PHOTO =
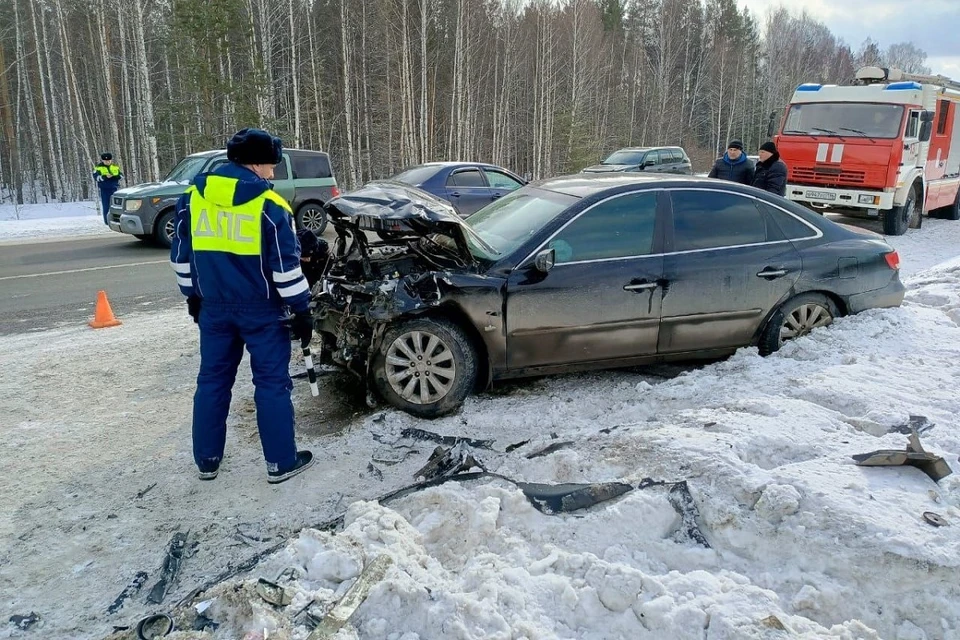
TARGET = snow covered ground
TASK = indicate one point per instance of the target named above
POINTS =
(55, 219)
(800, 542)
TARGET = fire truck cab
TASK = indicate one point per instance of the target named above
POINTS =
(887, 146)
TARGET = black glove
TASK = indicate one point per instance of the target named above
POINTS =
(193, 308)
(301, 328)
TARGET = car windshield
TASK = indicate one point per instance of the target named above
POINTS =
(509, 222)
(187, 169)
(415, 176)
(625, 157)
(853, 119)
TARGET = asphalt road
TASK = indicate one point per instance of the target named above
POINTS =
(55, 283)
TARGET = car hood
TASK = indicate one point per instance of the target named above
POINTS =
(399, 208)
(157, 189)
(608, 168)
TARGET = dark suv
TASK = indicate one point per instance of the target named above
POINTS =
(304, 178)
(646, 159)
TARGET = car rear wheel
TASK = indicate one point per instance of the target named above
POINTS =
(909, 215)
(165, 228)
(425, 367)
(311, 215)
(796, 318)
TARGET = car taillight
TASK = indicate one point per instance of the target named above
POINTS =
(334, 192)
(893, 260)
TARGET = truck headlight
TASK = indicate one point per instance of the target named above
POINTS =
(132, 205)
(868, 199)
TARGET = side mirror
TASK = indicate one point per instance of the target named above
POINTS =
(545, 260)
(926, 128)
(771, 124)
(926, 116)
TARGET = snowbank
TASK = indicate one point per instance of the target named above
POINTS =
(55, 219)
(800, 539)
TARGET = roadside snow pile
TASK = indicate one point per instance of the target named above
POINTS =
(53, 219)
(795, 537)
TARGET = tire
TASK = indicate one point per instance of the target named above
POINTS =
(311, 215)
(163, 228)
(424, 393)
(806, 310)
(909, 215)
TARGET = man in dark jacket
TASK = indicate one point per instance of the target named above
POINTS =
(314, 252)
(237, 261)
(771, 173)
(107, 174)
(734, 165)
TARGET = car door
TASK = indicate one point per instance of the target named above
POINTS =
(467, 190)
(601, 300)
(283, 180)
(651, 162)
(727, 265)
(500, 183)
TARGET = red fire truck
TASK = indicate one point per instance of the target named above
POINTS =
(887, 146)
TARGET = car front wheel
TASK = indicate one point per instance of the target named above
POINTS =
(165, 228)
(796, 318)
(425, 367)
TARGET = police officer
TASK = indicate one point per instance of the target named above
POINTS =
(107, 174)
(238, 262)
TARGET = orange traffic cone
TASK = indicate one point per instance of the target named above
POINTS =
(103, 316)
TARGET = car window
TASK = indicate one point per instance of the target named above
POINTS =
(713, 219)
(625, 156)
(790, 226)
(466, 178)
(913, 125)
(652, 157)
(216, 164)
(416, 176)
(677, 156)
(617, 228)
(280, 171)
(500, 180)
(516, 218)
(310, 166)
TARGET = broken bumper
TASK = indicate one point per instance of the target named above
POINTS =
(887, 297)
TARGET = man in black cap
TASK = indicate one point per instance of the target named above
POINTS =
(733, 165)
(107, 174)
(771, 172)
(237, 261)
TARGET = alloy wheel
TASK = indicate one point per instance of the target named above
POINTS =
(420, 368)
(313, 218)
(804, 319)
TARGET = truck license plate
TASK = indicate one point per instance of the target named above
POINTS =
(822, 195)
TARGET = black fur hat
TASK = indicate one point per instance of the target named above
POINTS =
(254, 146)
(106, 156)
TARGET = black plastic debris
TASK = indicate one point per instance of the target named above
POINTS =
(683, 503)
(420, 434)
(513, 447)
(129, 591)
(552, 448)
(170, 569)
(374, 471)
(566, 498)
(448, 462)
(932, 465)
(920, 424)
(25, 622)
(273, 593)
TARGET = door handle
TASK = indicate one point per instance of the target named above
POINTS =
(495, 196)
(641, 286)
(771, 274)
(455, 194)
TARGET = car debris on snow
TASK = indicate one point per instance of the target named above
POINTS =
(915, 456)
(129, 591)
(171, 568)
(338, 616)
(24, 622)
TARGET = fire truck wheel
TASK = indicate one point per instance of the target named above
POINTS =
(909, 215)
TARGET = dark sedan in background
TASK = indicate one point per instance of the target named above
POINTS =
(468, 186)
(580, 272)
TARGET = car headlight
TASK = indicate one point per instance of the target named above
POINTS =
(132, 205)
(868, 199)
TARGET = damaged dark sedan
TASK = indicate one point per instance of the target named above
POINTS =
(575, 273)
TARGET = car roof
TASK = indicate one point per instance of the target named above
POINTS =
(216, 152)
(666, 146)
(584, 185)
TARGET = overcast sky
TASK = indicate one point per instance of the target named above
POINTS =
(933, 25)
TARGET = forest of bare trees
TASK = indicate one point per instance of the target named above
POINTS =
(542, 87)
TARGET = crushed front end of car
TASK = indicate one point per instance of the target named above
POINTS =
(397, 254)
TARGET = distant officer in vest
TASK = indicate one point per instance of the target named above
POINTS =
(107, 174)
(237, 261)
